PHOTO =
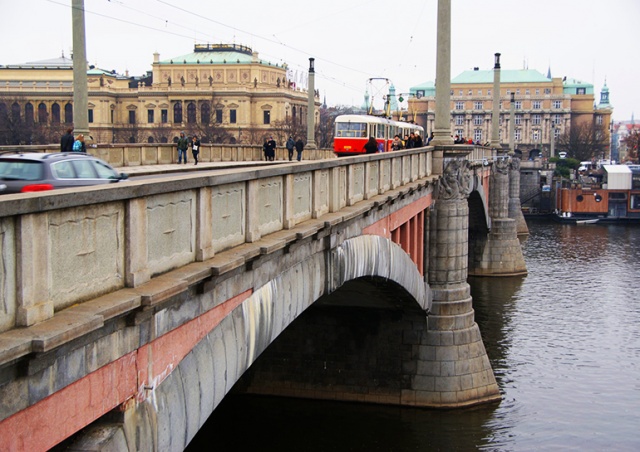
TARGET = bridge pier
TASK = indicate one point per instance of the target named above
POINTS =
(500, 253)
(458, 372)
(515, 208)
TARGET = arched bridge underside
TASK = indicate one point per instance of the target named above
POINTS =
(368, 272)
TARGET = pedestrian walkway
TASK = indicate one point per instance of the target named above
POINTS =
(145, 170)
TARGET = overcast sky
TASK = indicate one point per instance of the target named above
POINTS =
(352, 41)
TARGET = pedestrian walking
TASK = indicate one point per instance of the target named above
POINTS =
(78, 145)
(299, 147)
(66, 142)
(290, 145)
(183, 144)
(195, 148)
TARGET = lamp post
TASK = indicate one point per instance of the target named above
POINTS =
(311, 107)
(553, 141)
(512, 120)
(495, 117)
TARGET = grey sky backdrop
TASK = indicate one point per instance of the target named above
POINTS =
(352, 41)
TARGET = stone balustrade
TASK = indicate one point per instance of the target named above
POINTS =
(93, 245)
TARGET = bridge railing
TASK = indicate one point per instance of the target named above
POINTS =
(137, 154)
(92, 245)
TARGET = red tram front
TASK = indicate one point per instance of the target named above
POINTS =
(353, 131)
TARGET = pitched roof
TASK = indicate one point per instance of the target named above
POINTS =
(506, 76)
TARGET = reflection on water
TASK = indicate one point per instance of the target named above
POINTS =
(564, 342)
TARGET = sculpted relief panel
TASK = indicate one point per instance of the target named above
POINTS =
(302, 197)
(228, 207)
(270, 205)
(171, 231)
(86, 253)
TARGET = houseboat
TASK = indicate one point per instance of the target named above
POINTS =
(616, 199)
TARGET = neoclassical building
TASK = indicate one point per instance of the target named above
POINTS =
(221, 92)
(544, 106)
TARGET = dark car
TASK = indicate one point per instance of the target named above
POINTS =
(23, 172)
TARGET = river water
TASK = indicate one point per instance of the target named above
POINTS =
(564, 343)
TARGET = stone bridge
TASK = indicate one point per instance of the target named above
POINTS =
(128, 312)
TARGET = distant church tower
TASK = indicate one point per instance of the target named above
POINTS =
(604, 97)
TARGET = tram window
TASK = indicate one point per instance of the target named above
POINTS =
(635, 202)
(351, 129)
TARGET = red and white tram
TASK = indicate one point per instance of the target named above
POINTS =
(353, 131)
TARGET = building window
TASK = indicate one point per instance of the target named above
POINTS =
(518, 134)
(488, 92)
(557, 104)
(112, 116)
(477, 135)
(55, 114)
(518, 120)
(459, 105)
(164, 116)
(537, 91)
(581, 91)
(535, 135)
(556, 132)
(232, 116)
(518, 105)
(132, 116)
(191, 113)
(177, 112)
(526, 92)
(547, 90)
(477, 120)
(477, 105)
(42, 113)
(537, 105)
(479, 92)
(460, 93)
(420, 93)
(536, 120)
(460, 133)
(517, 91)
(90, 115)
(508, 92)
(470, 93)
(205, 113)
(599, 120)
(266, 117)
(68, 113)
(459, 120)
(150, 116)
(218, 116)
(28, 113)
(557, 119)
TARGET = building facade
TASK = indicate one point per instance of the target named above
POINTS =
(223, 93)
(545, 107)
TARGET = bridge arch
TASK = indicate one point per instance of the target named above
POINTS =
(168, 415)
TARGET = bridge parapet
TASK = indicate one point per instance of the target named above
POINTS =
(98, 244)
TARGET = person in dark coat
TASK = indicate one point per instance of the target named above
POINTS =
(291, 144)
(371, 146)
(271, 149)
(299, 147)
(66, 142)
(417, 141)
(195, 148)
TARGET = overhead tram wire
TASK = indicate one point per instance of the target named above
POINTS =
(172, 33)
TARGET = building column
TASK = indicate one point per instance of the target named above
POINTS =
(453, 368)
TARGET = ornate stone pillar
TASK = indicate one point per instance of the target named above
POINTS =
(515, 208)
(453, 368)
(501, 253)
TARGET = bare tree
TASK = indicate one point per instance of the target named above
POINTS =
(584, 141)
(632, 142)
